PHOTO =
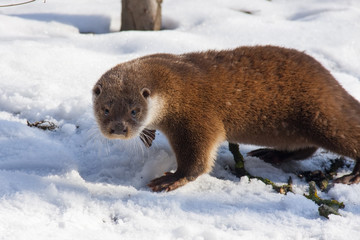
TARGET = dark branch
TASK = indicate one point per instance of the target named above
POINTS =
(17, 4)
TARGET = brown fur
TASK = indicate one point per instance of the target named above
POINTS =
(262, 95)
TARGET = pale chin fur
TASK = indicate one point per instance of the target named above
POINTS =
(115, 136)
(133, 134)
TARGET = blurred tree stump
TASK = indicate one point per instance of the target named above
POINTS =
(140, 15)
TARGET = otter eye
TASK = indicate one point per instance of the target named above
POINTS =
(133, 112)
(106, 112)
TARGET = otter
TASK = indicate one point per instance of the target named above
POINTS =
(268, 96)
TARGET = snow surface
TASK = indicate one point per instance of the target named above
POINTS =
(74, 184)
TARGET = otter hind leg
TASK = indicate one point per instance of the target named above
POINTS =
(279, 156)
(351, 178)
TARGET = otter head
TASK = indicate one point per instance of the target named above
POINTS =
(120, 108)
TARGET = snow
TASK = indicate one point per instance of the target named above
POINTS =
(72, 183)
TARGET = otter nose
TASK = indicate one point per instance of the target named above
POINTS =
(119, 129)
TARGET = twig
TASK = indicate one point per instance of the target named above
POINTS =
(44, 125)
(239, 160)
(327, 207)
(322, 178)
(17, 4)
(240, 171)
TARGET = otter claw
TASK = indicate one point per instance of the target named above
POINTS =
(168, 182)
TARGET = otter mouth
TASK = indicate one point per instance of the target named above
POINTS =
(119, 131)
(119, 136)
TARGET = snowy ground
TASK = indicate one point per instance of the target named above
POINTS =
(73, 184)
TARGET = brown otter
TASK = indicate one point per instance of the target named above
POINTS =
(263, 95)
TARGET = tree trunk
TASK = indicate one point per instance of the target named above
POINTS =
(140, 15)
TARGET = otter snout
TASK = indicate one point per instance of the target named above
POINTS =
(118, 128)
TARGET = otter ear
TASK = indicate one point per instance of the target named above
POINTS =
(97, 90)
(145, 92)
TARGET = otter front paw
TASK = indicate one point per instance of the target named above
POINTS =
(348, 179)
(168, 182)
